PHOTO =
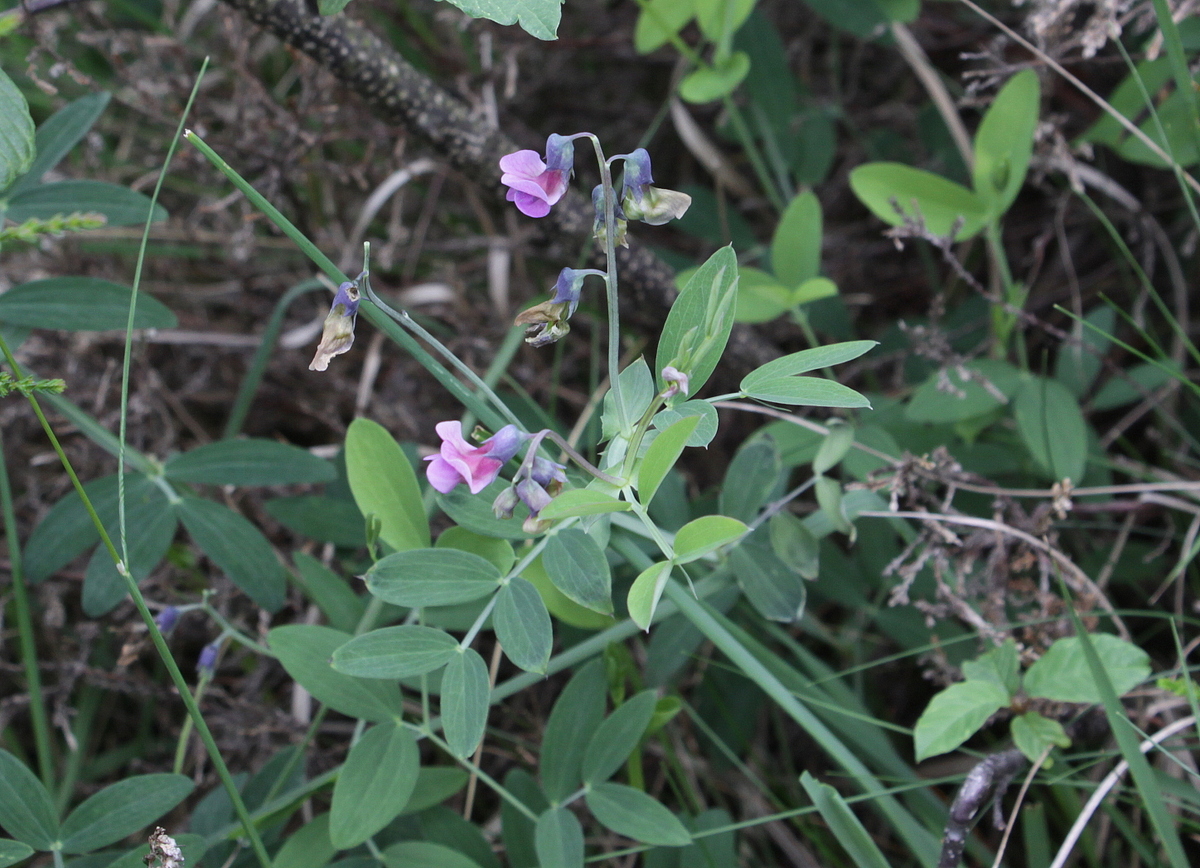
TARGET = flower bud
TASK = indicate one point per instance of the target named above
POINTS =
(599, 224)
(338, 333)
(677, 382)
(206, 666)
(649, 204)
(166, 619)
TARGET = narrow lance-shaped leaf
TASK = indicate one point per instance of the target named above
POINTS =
(121, 809)
(378, 777)
(465, 700)
(636, 815)
(432, 577)
(59, 133)
(617, 737)
(248, 461)
(237, 547)
(26, 811)
(396, 652)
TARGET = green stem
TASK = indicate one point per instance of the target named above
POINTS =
(156, 635)
(752, 153)
(495, 785)
(29, 656)
(610, 280)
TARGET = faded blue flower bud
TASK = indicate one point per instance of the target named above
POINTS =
(649, 204)
(599, 227)
(533, 495)
(547, 322)
(546, 472)
(505, 502)
(167, 619)
(338, 334)
(206, 666)
(505, 443)
(560, 154)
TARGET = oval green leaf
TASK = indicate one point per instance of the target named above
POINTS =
(920, 196)
(12, 852)
(577, 566)
(523, 625)
(662, 455)
(1004, 142)
(395, 652)
(1062, 673)
(466, 695)
(617, 737)
(704, 535)
(796, 244)
(432, 577)
(385, 485)
(713, 82)
(1052, 428)
(121, 809)
(374, 784)
(646, 591)
(558, 839)
(237, 547)
(582, 501)
(955, 714)
(80, 304)
(635, 815)
(16, 132)
(248, 462)
(304, 650)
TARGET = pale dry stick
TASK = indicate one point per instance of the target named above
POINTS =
(1093, 804)
(918, 60)
(1080, 577)
(379, 198)
(1012, 817)
(473, 780)
(1100, 101)
(1182, 485)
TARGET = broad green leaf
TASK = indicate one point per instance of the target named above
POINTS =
(26, 811)
(1001, 665)
(796, 244)
(466, 692)
(385, 486)
(1062, 673)
(575, 716)
(305, 650)
(617, 737)
(805, 361)
(80, 304)
(395, 652)
(474, 512)
(920, 196)
(119, 205)
(237, 547)
(426, 854)
(774, 589)
(432, 577)
(67, 530)
(434, 785)
(637, 391)
(719, 19)
(710, 83)
(331, 593)
(317, 516)
(1004, 142)
(646, 591)
(834, 447)
(560, 605)
(59, 133)
(634, 814)
(577, 566)
(1052, 427)
(121, 809)
(1032, 734)
(847, 829)
(444, 825)
(307, 847)
(964, 393)
(752, 479)
(522, 625)
(704, 535)
(537, 17)
(559, 839)
(698, 326)
(659, 20)
(955, 714)
(582, 501)
(12, 852)
(248, 462)
(794, 544)
(662, 455)
(760, 297)
(16, 133)
(807, 392)
(497, 552)
(376, 780)
(1134, 384)
(706, 429)
(813, 289)
(1078, 363)
(150, 527)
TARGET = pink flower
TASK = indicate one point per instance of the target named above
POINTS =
(477, 466)
(535, 185)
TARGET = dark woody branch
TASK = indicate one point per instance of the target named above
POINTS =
(398, 93)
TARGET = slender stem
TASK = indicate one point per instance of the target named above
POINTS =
(496, 786)
(610, 280)
(156, 635)
(566, 447)
(29, 656)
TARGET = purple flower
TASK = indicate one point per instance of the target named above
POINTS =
(535, 185)
(206, 666)
(477, 466)
(166, 619)
(338, 334)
